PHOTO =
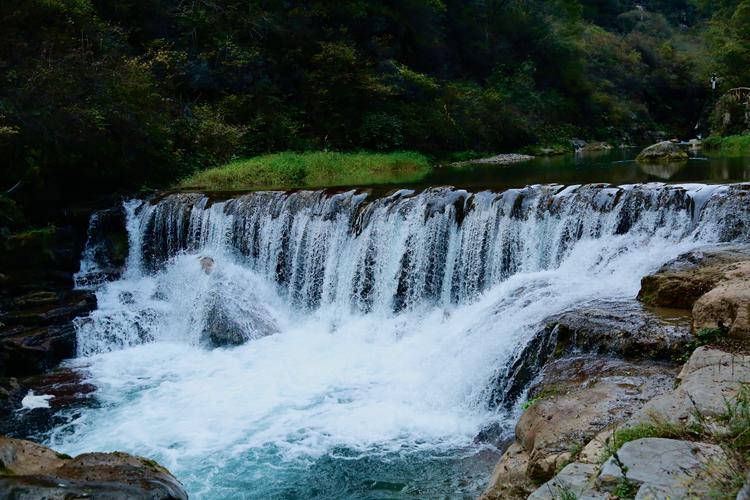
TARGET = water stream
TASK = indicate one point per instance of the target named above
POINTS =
(373, 328)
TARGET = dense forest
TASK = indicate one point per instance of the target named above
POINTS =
(103, 95)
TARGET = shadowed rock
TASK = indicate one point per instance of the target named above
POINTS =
(31, 471)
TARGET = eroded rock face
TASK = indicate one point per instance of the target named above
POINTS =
(625, 329)
(661, 152)
(36, 330)
(576, 399)
(573, 479)
(714, 284)
(727, 306)
(31, 471)
(656, 467)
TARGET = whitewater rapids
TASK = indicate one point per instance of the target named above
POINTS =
(392, 318)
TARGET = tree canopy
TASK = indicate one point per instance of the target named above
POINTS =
(116, 94)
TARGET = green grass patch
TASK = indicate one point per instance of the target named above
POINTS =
(312, 170)
(730, 145)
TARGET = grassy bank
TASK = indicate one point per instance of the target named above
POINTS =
(311, 169)
(731, 144)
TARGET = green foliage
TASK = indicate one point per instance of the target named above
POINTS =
(730, 145)
(312, 169)
(704, 336)
(103, 95)
(736, 419)
(625, 489)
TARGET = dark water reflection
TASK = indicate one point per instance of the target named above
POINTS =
(615, 167)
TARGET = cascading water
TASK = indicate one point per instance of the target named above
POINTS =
(373, 327)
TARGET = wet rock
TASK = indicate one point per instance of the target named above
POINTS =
(32, 350)
(26, 311)
(65, 390)
(207, 264)
(32, 471)
(662, 151)
(221, 330)
(709, 379)
(37, 330)
(575, 399)
(664, 468)
(623, 328)
(230, 323)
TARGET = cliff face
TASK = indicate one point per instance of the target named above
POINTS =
(620, 423)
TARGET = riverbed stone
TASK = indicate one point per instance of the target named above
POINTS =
(664, 466)
(30, 471)
(662, 151)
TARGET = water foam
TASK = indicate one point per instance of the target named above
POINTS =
(393, 318)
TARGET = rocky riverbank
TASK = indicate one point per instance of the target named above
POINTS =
(29, 470)
(38, 307)
(613, 412)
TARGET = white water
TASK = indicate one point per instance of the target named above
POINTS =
(390, 321)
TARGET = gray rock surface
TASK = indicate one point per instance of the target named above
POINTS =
(573, 479)
(709, 379)
(664, 465)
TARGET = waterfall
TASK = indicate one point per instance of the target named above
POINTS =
(439, 247)
(372, 326)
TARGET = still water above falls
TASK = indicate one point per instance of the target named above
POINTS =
(374, 327)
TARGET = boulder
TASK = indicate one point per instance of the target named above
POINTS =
(30, 471)
(574, 480)
(714, 284)
(621, 328)
(709, 379)
(576, 399)
(664, 468)
(727, 306)
(664, 151)
(230, 322)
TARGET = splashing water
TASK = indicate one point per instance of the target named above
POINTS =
(373, 328)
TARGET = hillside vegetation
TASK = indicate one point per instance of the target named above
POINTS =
(106, 95)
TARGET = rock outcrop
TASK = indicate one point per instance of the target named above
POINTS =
(624, 328)
(36, 330)
(709, 379)
(664, 468)
(29, 471)
(665, 151)
(715, 285)
(646, 466)
(576, 399)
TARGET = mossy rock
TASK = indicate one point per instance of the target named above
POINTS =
(665, 151)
